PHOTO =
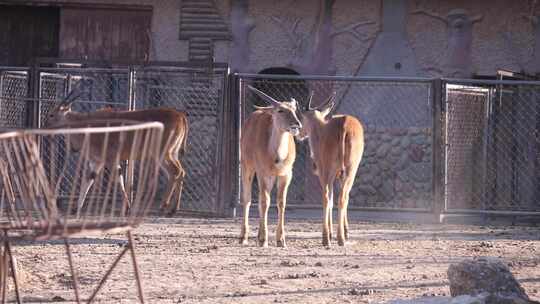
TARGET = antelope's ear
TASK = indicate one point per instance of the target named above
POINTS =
(294, 103)
(327, 109)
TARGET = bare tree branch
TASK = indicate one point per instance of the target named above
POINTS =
(477, 18)
(290, 31)
(352, 30)
(533, 19)
(421, 10)
(431, 14)
(295, 25)
(531, 16)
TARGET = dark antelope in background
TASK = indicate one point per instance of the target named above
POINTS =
(173, 143)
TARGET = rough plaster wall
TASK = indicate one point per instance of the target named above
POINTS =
(165, 26)
(221, 48)
(490, 49)
(271, 47)
(503, 39)
(349, 53)
(391, 47)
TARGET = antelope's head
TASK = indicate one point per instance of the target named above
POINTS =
(283, 113)
(58, 113)
(311, 117)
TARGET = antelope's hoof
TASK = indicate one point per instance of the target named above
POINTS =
(243, 241)
(281, 243)
(163, 208)
(326, 243)
(263, 243)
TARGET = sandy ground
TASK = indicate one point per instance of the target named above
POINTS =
(200, 261)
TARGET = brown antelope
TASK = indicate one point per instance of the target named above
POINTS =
(336, 146)
(174, 141)
(268, 151)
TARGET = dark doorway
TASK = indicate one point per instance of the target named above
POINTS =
(281, 89)
(279, 71)
(27, 32)
(304, 188)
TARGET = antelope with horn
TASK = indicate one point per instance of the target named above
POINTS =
(336, 144)
(268, 151)
(173, 143)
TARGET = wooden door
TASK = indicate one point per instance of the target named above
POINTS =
(27, 32)
(105, 34)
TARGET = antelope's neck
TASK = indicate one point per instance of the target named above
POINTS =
(316, 136)
(72, 115)
(279, 144)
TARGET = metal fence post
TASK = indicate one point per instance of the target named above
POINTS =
(438, 148)
(237, 105)
(128, 169)
(34, 116)
(225, 157)
(131, 89)
(229, 161)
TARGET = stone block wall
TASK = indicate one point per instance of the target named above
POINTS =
(396, 169)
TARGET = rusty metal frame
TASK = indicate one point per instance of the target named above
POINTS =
(8, 263)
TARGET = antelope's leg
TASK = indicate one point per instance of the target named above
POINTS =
(175, 173)
(85, 189)
(179, 186)
(343, 204)
(283, 183)
(330, 210)
(265, 187)
(327, 214)
(247, 182)
(346, 224)
(126, 204)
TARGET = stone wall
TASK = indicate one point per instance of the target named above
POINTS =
(396, 169)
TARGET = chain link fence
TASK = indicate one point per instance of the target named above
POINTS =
(201, 95)
(14, 104)
(492, 146)
(396, 169)
(199, 91)
(103, 87)
(490, 132)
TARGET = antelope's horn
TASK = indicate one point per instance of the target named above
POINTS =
(308, 106)
(264, 96)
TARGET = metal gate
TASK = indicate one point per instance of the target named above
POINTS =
(14, 105)
(492, 146)
(28, 95)
(397, 166)
(446, 146)
(201, 93)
